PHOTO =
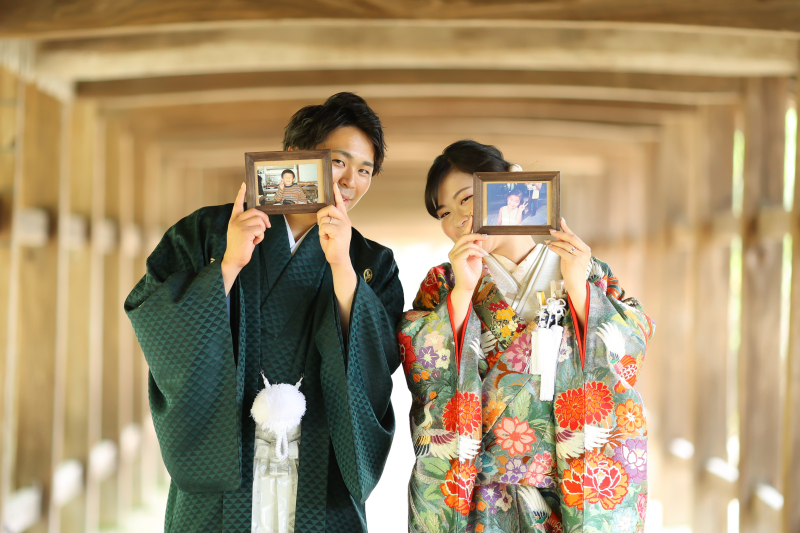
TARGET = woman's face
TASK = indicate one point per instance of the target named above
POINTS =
(513, 201)
(455, 206)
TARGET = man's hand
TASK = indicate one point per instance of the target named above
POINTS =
(245, 230)
(335, 231)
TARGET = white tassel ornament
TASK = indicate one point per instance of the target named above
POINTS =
(279, 409)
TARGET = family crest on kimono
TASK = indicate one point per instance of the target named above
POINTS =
(295, 310)
(524, 417)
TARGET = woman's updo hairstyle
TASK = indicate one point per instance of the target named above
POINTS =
(465, 156)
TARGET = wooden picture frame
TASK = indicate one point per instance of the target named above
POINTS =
(488, 190)
(261, 169)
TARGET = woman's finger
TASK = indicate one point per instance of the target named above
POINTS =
(566, 246)
(469, 249)
(467, 226)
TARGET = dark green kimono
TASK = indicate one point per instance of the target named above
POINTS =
(284, 320)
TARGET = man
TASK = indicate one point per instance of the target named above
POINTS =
(307, 297)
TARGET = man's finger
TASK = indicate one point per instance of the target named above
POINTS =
(255, 213)
(339, 201)
(238, 204)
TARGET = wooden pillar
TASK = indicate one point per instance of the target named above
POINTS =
(760, 406)
(791, 443)
(676, 407)
(110, 425)
(710, 302)
(38, 286)
(77, 407)
(13, 142)
(153, 230)
(95, 352)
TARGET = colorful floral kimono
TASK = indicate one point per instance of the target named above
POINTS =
(492, 456)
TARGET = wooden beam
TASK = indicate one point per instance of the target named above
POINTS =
(93, 16)
(281, 45)
(411, 76)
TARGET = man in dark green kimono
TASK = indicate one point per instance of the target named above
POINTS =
(225, 297)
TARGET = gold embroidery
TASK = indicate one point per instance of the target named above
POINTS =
(368, 275)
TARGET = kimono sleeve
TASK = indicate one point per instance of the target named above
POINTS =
(430, 313)
(178, 311)
(601, 401)
(356, 377)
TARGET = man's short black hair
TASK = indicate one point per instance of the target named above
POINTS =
(464, 156)
(310, 126)
(288, 171)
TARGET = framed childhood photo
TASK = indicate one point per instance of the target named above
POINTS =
(516, 203)
(289, 182)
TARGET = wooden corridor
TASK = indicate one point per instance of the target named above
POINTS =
(676, 142)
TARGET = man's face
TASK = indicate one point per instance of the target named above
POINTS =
(288, 179)
(352, 157)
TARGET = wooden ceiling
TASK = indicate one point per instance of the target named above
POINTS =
(38, 17)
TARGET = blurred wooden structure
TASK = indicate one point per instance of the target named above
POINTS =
(115, 122)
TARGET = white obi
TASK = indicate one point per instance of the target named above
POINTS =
(274, 484)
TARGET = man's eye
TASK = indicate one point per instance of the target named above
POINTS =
(466, 198)
(338, 161)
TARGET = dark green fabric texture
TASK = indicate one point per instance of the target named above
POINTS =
(285, 322)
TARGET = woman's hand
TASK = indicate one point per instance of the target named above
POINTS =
(466, 259)
(575, 257)
(245, 230)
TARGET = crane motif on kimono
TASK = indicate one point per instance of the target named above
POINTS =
(442, 443)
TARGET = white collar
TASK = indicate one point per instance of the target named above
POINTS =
(293, 246)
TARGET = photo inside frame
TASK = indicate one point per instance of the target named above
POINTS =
(527, 203)
(291, 182)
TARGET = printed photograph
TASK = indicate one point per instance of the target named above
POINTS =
(289, 182)
(516, 203)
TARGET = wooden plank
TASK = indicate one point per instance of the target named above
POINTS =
(92, 16)
(279, 45)
(760, 406)
(38, 287)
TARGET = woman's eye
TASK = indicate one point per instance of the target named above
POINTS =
(444, 215)
(466, 198)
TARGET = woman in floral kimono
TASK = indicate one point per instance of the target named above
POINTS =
(513, 434)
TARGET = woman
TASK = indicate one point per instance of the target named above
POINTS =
(505, 442)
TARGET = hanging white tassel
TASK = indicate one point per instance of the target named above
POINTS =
(279, 409)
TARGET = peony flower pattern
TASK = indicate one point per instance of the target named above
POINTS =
(463, 413)
(541, 470)
(572, 485)
(605, 480)
(406, 352)
(458, 485)
(569, 409)
(632, 454)
(598, 401)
